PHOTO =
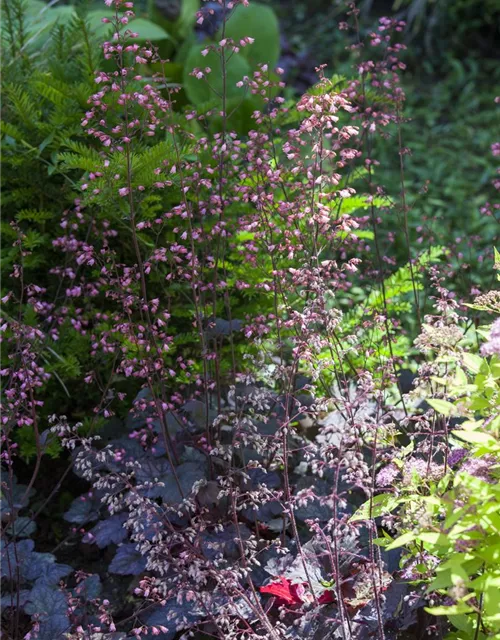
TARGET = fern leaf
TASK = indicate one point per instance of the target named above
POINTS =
(25, 108)
(8, 129)
(33, 215)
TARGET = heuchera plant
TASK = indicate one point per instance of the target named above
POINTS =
(216, 280)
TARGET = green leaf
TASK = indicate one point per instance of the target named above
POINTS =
(490, 554)
(186, 20)
(432, 537)
(34, 7)
(380, 505)
(472, 362)
(402, 541)
(210, 90)
(259, 22)
(453, 610)
(148, 30)
(94, 20)
(462, 622)
(476, 437)
(497, 259)
(443, 407)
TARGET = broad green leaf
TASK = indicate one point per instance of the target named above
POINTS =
(94, 20)
(186, 20)
(462, 622)
(432, 537)
(33, 7)
(472, 362)
(402, 540)
(148, 30)
(443, 407)
(475, 437)
(460, 378)
(259, 22)
(381, 504)
(453, 610)
(210, 90)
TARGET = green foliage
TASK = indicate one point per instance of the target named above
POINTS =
(259, 22)
(210, 90)
(25, 438)
(187, 17)
(448, 175)
(42, 109)
(449, 25)
(465, 530)
(454, 519)
(33, 29)
(44, 155)
(147, 30)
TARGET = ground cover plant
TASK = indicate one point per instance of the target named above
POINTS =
(246, 394)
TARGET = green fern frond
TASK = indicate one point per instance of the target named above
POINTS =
(70, 161)
(396, 285)
(33, 239)
(23, 105)
(33, 215)
(7, 232)
(18, 196)
(80, 156)
(53, 90)
(144, 164)
(8, 129)
(81, 149)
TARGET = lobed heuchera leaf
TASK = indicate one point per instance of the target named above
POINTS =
(16, 499)
(43, 567)
(88, 589)
(14, 598)
(52, 608)
(319, 507)
(187, 474)
(144, 413)
(14, 555)
(128, 561)
(175, 616)
(82, 511)
(108, 531)
(313, 565)
(22, 527)
(179, 614)
(218, 327)
(318, 625)
(224, 543)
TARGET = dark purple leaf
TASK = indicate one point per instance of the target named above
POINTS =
(108, 531)
(14, 553)
(127, 561)
(88, 589)
(187, 474)
(224, 543)
(51, 607)
(42, 566)
(82, 510)
(15, 498)
(11, 599)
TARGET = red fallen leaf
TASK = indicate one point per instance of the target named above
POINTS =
(326, 597)
(284, 590)
(289, 593)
